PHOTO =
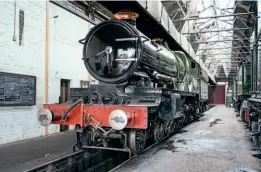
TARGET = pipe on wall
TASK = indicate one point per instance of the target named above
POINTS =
(47, 60)
(256, 37)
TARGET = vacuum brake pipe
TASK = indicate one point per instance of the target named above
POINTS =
(64, 116)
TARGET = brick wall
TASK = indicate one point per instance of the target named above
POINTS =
(18, 123)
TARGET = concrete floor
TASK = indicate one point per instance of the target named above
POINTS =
(224, 147)
(23, 155)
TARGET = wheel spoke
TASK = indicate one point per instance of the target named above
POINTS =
(137, 140)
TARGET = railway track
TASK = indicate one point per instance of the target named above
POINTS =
(83, 161)
(92, 160)
(89, 161)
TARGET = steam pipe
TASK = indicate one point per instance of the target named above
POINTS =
(163, 77)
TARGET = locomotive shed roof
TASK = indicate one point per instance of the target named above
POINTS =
(242, 38)
(220, 32)
(242, 35)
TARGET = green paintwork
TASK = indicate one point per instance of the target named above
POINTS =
(243, 76)
(247, 83)
(182, 56)
(243, 85)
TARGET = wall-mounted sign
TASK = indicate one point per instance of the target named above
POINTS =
(17, 90)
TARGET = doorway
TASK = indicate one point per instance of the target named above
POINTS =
(64, 94)
(217, 94)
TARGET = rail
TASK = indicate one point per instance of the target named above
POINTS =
(83, 161)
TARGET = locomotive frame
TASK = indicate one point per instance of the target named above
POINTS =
(148, 94)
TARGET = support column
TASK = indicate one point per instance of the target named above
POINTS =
(256, 49)
(47, 61)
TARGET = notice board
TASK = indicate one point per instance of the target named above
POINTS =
(17, 90)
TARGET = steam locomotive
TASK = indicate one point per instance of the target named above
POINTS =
(247, 100)
(146, 90)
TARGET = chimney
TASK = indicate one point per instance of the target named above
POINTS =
(128, 16)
